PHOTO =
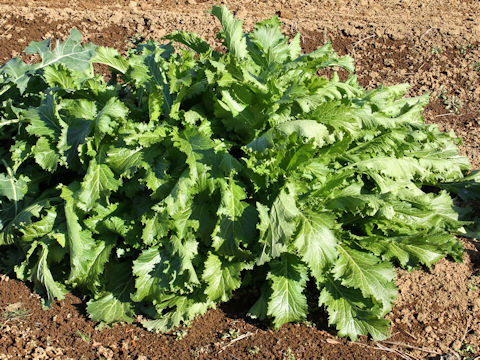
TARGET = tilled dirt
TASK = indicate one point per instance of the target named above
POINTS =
(433, 46)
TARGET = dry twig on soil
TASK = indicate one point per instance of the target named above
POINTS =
(241, 337)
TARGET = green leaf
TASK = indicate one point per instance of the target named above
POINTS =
(12, 188)
(232, 31)
(108, 118)
(36, 230)
(109, 309)
(60, 76)
(44, 155)
(83, 249)
(182, 310)
(113, 304)
(351, 313)
(40, 273)
(44, 120)
(316, 243)
(16, 71)
(287, 302)
(124, 161)
(70, 53)
(222, 277)
(276, 226)
(20, 217)
(411, 250)
(235, 225)
(110, 57)
(191, 40)
(151, 269)
(98, 180)
(363, 271)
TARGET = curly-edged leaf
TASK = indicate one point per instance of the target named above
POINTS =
(59, 76)
(183, 309)
(412, 250)
(197, 147)
(468, 188)
(13, 188)
(15, 71)
(287, 302)
(270, 44)
(45, 155)
(70, 53)
(308, 129)
(83, 249)
(351, 313)
(72, 136)
(17, 218)
(99, 179)
(113, 303)
(276, 226)
(236, 219)
(38, 229)
(108, 117)
(124, 161)
(110, 309)
(155, 227)
(222, 277)
(44, 120)
(232, 31)
(152, 278)
(315, 242)
(40, 274)
(193, 41)
(364, 271)
(110, 57)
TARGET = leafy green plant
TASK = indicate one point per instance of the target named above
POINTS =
(159, 193)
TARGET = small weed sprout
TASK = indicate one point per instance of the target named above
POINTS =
(12, 313)
(253, 350)
(436, 50)
(452, 103)
(466, 350)
(180, 334)
(289, 355)
(231, 334)
(84, 336)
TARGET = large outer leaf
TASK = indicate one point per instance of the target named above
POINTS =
(83, 249)
(99, 179)
(287, 301)
(151, 269)
(365, 272)
(222, 277)
(39, 272)
(71, 52)
(352, 313)
(316, 242)
(236, 219)
(276, 226)
(232, 30)
(113, 303)
(44, 120)
(12, 188)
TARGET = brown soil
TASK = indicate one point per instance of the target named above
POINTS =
(432, 46)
